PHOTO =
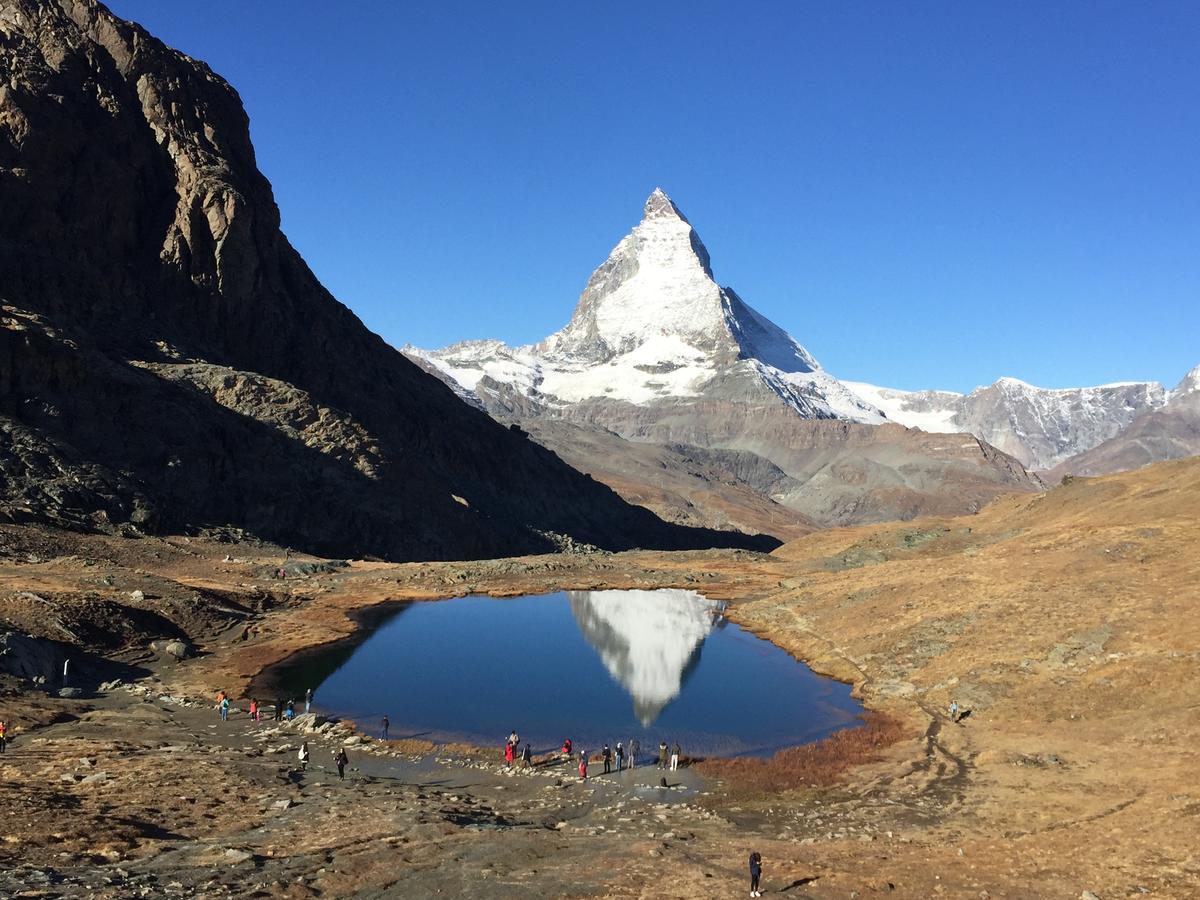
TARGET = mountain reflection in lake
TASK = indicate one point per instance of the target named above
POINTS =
(595, 666)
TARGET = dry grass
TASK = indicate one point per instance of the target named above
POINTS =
(811, 765)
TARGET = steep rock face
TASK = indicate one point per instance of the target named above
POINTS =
(1171, 431)
(164, 346)
(1038, 426)
(658, 353)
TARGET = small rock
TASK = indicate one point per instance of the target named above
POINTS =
(137, 596)
(282, 804)
(98, 778)
(1088, 895)
(71, 693)
(235, 856)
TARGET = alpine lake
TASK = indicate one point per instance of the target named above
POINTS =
(594, 666)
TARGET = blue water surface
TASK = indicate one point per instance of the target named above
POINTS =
(595, 666)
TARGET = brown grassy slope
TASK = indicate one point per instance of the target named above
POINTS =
(1067, 623)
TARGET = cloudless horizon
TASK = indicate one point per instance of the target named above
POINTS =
(927, 195)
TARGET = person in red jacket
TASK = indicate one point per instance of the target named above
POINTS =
(508, 755)
(566, 750)
(583, 764)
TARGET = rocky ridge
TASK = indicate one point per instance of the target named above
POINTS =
(169, 362)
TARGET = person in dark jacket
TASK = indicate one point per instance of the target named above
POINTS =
(527, 756)
(755, 873)
(606, 755)
(341, 760)
(385, 723)
(662, 754)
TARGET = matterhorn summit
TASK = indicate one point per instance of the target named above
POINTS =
(651, 325)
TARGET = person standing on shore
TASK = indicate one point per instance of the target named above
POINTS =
(606, 755)
(308, 695)
(385, 724)
(3, 735)
(508, 754)
(675, 757)
(290, 712)
(583, 764)
(620, 757)
(634, 747)
(224, 709)
(279, 709)
(304, 756)
(527, 756)
(755, 873)
(341, 760)
(662, 754)
(566, 750)
(253, 710)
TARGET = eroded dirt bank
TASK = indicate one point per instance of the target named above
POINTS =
(1065, 623)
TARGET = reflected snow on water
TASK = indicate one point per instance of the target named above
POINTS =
(595, 666)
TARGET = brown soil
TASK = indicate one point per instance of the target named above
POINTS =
(1063, 623)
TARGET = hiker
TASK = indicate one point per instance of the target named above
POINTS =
(385, 724)
(304, 756)
(527, 756)
(606, 755)
(279, 710)
(308, 700)
(634, 747)
(583, 764)
(341, 760)
(508, 754)
(662, 754)
(290, 712)
(220, 700)
(514, 738)
(675, 757)
(253, 710)
(953, 710)
(755, 873)
(620, 757)
(225, 709)
(3, 735)
(566, 748)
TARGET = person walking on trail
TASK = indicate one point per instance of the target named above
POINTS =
(526, 756)
(290, 712)
(583, 761)
(755, 873)
(341, 761)
(620, 757)
(385, 725)
(634, 747)
(675, 757)
(308, 700)
(953, 710)
(3, 735)
(225, 709)
(606, 755)
(253, 710)
(508, 754)
(304, 756)
(662, 754)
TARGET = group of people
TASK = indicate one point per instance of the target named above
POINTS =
(618, 755)
(340, 759)
(512, 748)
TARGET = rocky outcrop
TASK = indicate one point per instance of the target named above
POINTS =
(167, 359)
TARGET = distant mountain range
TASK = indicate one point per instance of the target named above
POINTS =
(658, 355)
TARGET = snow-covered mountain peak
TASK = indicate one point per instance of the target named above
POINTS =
(653, 325)
(1189, 384)
(658, 204)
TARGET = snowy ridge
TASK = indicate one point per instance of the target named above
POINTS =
(1041, 427)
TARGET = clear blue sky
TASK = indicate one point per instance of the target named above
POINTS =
(924, 194)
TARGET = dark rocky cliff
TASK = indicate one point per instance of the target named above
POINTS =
(168, 361)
